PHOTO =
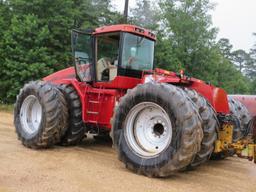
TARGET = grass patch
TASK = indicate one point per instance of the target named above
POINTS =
(6, 108)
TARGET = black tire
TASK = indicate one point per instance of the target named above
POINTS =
(76, 129)
(186, 126)
(241, 113)
(210, 126)
(219, 156)
(53, 119)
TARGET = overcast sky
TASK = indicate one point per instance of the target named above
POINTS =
(236, 20)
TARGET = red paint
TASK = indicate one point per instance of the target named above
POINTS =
(120, 82)
(97, 103)
(125, 28)
(99, 106)
(68, 73)
(99, 98)
(216, 96)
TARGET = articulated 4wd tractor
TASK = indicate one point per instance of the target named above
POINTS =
(160, 121)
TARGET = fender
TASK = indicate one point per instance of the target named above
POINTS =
(217, 97)
(68, 73)
(67, 76)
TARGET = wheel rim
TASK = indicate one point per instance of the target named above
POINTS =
(31, 114)
(148, 129)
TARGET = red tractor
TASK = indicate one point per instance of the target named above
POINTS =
(160, 121)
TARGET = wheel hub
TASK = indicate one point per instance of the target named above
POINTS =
(158, 129)
(148, 129)
(31, 114)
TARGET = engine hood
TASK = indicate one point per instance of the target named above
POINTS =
(68, 73)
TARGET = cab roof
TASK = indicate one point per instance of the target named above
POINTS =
(125, 28)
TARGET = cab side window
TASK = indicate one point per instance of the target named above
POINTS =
(107, 56)
(82, 52)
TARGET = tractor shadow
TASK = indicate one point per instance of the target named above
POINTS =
(212, 169)
(208, 169)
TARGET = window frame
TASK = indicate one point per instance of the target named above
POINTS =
(92, 46)
(96, 52)
(126, 71)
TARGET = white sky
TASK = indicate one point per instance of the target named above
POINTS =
(236, 20)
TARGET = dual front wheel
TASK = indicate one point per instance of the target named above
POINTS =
(45, 115)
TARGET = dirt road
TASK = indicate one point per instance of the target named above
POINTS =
(94, 166)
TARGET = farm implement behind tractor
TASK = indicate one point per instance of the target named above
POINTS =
(249, 102)
(160, 122)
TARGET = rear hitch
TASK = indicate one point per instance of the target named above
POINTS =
(248, 151)
(244, 148)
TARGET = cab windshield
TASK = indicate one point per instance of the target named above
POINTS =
(137, 53)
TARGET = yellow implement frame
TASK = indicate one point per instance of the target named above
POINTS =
(244, 148)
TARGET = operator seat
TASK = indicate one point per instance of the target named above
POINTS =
(106, 71)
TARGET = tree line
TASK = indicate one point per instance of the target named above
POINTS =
(35, 40)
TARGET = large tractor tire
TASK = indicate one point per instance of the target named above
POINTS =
(243, 116)
(210, 126)
(76, 129)
(156, 129)
(40, 115)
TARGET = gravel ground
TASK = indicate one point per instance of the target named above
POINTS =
(93, 166)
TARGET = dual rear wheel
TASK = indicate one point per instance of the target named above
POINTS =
(242, 116)
(210, 126)
(157, 129)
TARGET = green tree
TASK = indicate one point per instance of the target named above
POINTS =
(225, 47)
(62, 16)
(145, 14)
(5, 19)
(36, 40)
(5, 15)
(240, 58)
(251, 65)
(186, 40)
(25, 55)
(189, 29)
(233, 80)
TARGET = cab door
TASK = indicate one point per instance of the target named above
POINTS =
(82, 50)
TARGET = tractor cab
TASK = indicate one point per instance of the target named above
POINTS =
(105, 53)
